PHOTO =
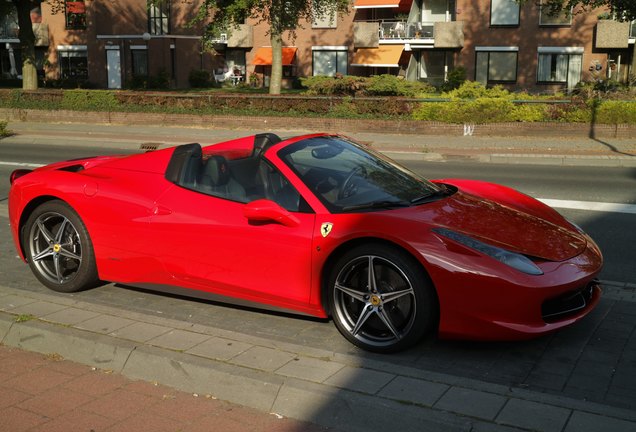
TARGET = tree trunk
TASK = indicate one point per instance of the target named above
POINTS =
(27, 45)
(277, 64)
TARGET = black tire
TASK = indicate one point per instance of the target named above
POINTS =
(59, 249)
(392, 313)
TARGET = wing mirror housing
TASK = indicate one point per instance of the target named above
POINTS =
(264, 210)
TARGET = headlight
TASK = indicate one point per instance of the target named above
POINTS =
(514, 260)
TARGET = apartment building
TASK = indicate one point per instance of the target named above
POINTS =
(107, 42)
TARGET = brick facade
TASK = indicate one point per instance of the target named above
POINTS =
(497, 41)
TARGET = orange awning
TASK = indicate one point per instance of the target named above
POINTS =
(263, 56)
(76, 7)
(382, 56)
(369, 4)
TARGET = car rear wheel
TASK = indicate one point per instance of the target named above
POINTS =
(58, 248)
(380, 298)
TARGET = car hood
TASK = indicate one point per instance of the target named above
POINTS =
(502, 226)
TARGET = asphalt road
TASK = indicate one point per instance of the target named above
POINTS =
(564, 363)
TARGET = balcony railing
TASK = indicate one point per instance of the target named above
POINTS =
(396, 29)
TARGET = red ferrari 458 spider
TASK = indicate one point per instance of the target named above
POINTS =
(316, 225)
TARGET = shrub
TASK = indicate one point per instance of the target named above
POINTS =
(89, 100)
(474, 90)
(616, 112)
(3, 129)
(391, 85)
(338, 85)
(479, 111)
(200, 79)
(455, 79)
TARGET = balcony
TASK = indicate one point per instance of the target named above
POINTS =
(240, 37)
(437, 34)
(9, 28)
(613, 34)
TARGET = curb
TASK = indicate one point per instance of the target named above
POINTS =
(309, 384)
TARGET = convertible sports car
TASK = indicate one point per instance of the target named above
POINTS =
(317, 225)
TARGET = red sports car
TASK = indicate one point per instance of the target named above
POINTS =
(317, 225)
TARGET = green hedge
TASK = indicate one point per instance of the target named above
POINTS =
(378, 85)
(470, 103)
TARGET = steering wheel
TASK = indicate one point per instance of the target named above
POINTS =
(348, 187)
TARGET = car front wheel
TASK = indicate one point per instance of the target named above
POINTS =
(58, 248)
(380, 298)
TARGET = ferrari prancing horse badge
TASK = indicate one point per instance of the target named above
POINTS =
(325, 229)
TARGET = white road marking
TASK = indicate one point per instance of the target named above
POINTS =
(21, 164)
(590, 205)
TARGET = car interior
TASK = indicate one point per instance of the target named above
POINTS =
(241, 180)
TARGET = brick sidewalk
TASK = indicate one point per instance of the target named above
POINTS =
(48, 393)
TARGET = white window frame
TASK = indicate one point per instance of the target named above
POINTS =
(329, 21)
(565, 53)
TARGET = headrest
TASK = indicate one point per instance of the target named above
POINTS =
(217, 170)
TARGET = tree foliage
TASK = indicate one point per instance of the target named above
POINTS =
(280, 15)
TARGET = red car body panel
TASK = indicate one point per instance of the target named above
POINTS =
(148, 231)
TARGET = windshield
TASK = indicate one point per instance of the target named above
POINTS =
(347, 177)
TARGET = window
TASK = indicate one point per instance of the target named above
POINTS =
(560, 65)
(73, 61)
(329, 60)
(496, 64)
(159, 17)
(75, 12)
(548, 18)
(139, 56)
(504, 13)
(329, 20)
(632, 30)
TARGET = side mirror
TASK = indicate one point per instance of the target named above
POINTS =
(264, 210)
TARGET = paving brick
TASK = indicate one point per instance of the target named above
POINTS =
(70, 316)
(179, 340)
(119, 404)
(81, 421)
(413, 390)
(38, 308)
(10, 396)
(471, 402)
(533, 415)
(18, 420)
(54, 402)
(261, 358)
(219, 348)
(141, 332)
(184, 407)
(11, 301)
(104, 324)
(359, 379)
(96, 383)
(146, 422)
(37, 381)
(310, 369)
(586, 422)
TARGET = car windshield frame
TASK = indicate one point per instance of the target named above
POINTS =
(349, 177)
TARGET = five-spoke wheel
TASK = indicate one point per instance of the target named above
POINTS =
(58, 248)
(380, 298)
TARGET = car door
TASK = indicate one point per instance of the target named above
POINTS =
(207, 243)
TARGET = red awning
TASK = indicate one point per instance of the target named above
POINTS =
(263, 56)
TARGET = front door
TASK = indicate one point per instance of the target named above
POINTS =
(113, 65)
